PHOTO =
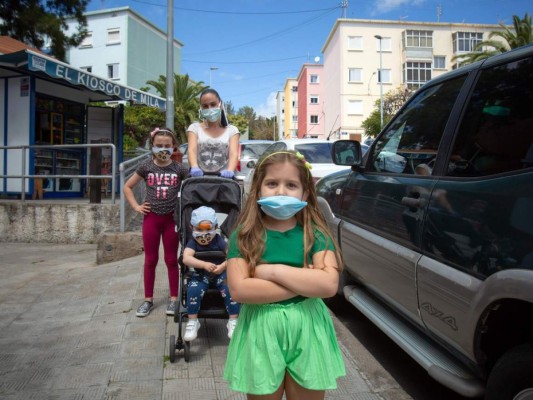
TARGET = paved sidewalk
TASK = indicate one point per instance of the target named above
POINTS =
(68, 330)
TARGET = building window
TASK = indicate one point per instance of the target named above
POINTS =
(355, 107)
(384, 76)
(386, 44)
(313, 99)
(89, 69)
(466, 42)
(113, 36)
(313, 78)
(355, 43)
(295, 88)
(355, 75)
(112, 71)
(87, 40)
(458, 65)
(416, 73)
(294, 118)
(439, 62)
(314, 119)
(412, 38)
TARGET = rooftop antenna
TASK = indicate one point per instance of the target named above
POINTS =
(344, 5)
(439, 12)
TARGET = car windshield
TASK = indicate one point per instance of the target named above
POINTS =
(253, 150)
(317, 153)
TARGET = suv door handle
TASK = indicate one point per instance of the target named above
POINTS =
(412, 202)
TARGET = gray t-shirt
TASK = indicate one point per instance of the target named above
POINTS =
(213, 153)
(162, 185)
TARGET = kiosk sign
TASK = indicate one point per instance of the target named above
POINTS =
(94, 83)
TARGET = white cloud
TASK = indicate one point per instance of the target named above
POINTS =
(384, 6)
(268, 108)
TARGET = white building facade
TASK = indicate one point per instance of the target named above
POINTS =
(123, 47)
(412, 53)
(280, 114)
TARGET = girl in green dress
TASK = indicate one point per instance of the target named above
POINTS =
(281, 262)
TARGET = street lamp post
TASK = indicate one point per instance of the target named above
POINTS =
(170, 110)
(211, 69)
(380, 77)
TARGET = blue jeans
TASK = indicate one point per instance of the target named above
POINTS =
(199, 283)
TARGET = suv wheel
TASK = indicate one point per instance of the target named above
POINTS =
(512, 377)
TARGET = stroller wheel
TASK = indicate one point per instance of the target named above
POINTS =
(187, 351)
(172, 348)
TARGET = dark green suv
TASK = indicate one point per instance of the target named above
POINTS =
(436, 227)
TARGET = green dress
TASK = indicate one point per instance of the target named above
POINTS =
(294, 335)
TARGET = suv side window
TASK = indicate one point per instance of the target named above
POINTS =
(414, 136)
(496, 134)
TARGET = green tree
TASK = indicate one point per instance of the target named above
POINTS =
(248, 113)
(34, 21)
(263, 128)
(140, 120)
(239, 121)
(229, 108)
(186, 101)
(520, 35)
(392, 102)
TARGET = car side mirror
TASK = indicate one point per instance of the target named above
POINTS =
(346, 152)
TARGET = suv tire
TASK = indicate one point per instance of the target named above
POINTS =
(512, 376)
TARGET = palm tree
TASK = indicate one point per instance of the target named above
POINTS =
(186, 101)
(520, 35)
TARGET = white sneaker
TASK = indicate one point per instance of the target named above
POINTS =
(232, 323)
(191, 330)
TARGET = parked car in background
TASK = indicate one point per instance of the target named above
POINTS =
(185, 157)
(316, 152)
(249, 153)
(435, 224)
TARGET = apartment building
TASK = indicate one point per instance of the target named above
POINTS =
(350, 79)
(310, 97)
(280, 115)
(124, 47)
(290, 108)
(410, 53)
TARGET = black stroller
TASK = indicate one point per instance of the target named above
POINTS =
(225, 197)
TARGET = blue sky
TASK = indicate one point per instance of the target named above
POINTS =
(257, 44)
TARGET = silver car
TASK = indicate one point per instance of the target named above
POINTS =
(249, 153)
(317, 152)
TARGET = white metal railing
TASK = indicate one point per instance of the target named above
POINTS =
(24, 160)
(126, 169)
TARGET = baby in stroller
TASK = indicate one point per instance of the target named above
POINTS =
(210, 271)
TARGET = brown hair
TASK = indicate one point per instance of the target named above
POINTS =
(163, 132)
(223, 117)
(251, 231)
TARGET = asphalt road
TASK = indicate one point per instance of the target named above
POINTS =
(412, 378)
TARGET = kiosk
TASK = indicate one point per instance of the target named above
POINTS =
(47, 102)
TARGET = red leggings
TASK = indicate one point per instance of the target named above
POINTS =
(154, 227)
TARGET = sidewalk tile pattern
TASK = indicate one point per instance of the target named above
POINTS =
(68, 331)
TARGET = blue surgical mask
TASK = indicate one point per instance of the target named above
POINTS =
(211, 114)
(162, 153)
(281, 207)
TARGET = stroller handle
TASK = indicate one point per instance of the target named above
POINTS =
(216, 174)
